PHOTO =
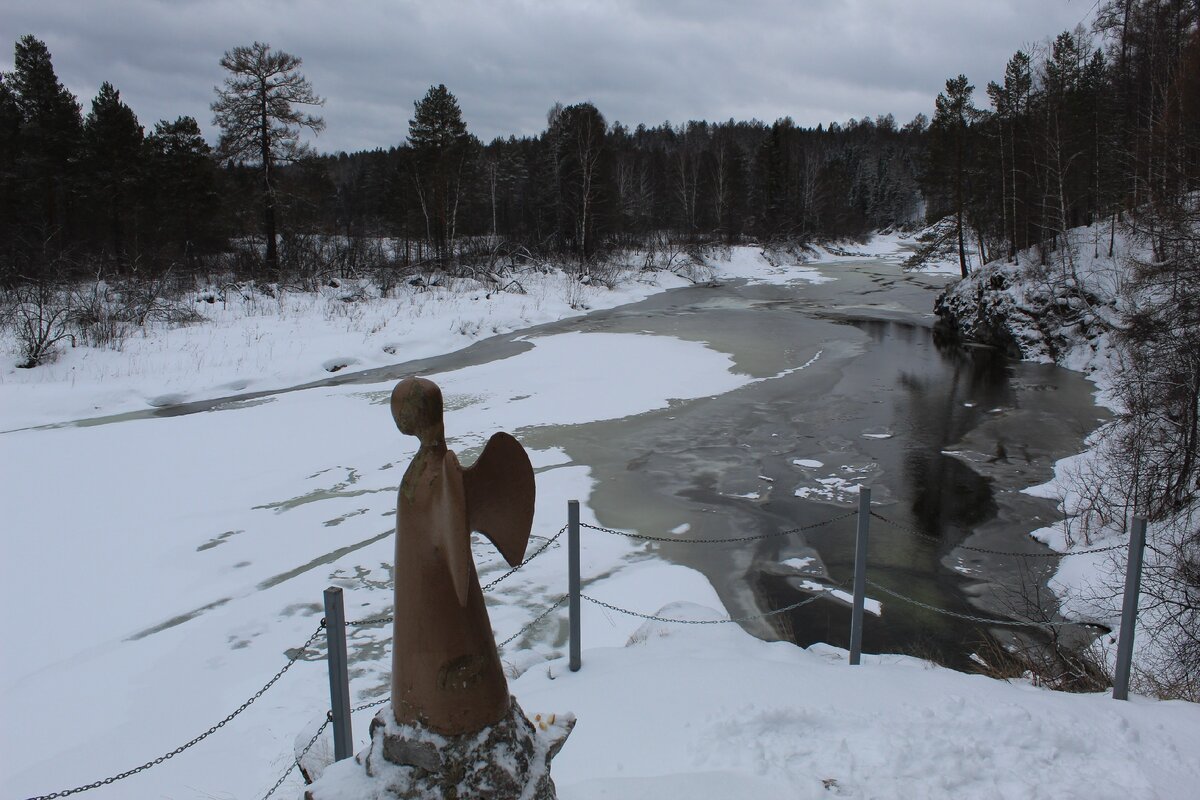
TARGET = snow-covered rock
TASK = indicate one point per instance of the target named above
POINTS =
(505, 761)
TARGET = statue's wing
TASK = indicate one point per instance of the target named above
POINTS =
(500, 493)
(452, 519)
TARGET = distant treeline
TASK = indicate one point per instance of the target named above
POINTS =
(1074, 134)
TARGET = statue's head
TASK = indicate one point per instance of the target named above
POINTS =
(417, 409)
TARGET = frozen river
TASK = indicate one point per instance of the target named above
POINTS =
(847, 387)
(187, 546)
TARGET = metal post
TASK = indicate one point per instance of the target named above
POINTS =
(339, 677)
(860, 574)
(1133, 587)
(573, 579)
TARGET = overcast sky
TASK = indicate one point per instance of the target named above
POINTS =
(508, 61)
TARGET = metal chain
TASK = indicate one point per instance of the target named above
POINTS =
(167, 756)
(680, 540)
(936, 540)
(328, 719)
(536, 620)
(355, 623)
(371, 704)
(296, 761)
(700, 621)
(969, 617)
(536, 553)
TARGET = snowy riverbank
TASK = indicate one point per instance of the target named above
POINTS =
(261, 338)
(1066, 311)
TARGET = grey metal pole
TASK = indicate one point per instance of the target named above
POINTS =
(573, 579)
(1133, 587)
(860, 574)
(339, 677)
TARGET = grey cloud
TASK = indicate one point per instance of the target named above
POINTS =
(509, 60)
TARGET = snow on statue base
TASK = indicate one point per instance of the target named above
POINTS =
(509, 760)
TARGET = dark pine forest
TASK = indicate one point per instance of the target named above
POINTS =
(1091, 124)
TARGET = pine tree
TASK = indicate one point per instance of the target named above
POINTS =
(443, 153)
(182, 187)
(952, 123)
(10, 192)
(1011, 102)
(112, 153)
(49, 134)
(261, 119)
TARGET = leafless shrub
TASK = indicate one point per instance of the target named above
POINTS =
(1170, 608)
(1051, 652)
(303, 261)
(40, 315)
(1079, 671)
(98, 317)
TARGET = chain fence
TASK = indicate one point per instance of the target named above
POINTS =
(535, 621)
(546, 545)
(934, 540)
(195, 741)
(656, 618)
(1044, 625)
(358, 623)
(726, 540)
(311, 742)
(329, 714)
(291, 661)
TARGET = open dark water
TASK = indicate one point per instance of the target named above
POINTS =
(882, 403)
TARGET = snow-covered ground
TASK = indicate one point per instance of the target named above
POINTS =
(253, 341)
(163, 568)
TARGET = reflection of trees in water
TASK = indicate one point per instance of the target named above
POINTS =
(947, 497)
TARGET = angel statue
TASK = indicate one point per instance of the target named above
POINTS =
(452, 729)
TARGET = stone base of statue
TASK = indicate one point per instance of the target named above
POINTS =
(505, 761)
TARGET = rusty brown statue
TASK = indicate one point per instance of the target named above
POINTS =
(446, 672)
(452, 729)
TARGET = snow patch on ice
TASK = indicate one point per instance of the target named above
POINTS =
(833, 489)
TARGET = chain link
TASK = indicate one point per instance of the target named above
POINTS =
(355, 623)
(681, 540)
(167, 756)
(296, 761)
(371, 704)
(536, 620)
(935, 540)
(328, 719)
(545, 546)
(971, 618)
(656, 618)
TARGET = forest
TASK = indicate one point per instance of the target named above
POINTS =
(1073, 134)
(94, 193)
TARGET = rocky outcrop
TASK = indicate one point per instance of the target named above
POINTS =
(1028, 312)
(505, 761)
